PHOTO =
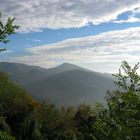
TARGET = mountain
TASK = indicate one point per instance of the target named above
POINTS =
(66, 84)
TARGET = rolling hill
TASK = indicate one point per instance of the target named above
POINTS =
(66, 84)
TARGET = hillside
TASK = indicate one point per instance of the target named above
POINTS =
(66, 84)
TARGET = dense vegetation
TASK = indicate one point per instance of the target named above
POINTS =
(24, 118)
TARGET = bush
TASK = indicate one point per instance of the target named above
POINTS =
(6, 136)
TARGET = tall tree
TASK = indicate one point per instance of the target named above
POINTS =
(128, 79)
(6, 29)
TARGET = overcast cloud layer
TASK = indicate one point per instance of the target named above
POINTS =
(109, 47)
(34, 15)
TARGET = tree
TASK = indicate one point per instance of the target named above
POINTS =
(15, 105)
(84, 120)
(125, 105)
(6, 29)
(124, 114)
(121, 119)
(129, 80)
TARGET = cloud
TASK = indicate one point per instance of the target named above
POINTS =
(109, 48)
(133, 17)
(34, 15)
(34, 40)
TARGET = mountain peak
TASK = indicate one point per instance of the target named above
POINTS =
(64, 84)
(68, 66)
(72, 65)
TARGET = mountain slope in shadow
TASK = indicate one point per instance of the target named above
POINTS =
(66, 84)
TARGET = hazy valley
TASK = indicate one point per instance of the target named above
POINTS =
(65, 84)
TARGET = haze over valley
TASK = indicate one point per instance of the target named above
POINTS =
(65, 84)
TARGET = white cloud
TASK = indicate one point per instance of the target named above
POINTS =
(36, 40)
(34, 15)
(109, 47)
(131, 18)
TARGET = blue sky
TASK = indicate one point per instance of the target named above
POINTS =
(95, 34)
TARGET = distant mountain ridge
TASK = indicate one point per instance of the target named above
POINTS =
(66, 84)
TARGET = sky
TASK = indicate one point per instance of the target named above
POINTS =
(94, 34)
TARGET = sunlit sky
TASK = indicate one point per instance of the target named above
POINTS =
(95, 34)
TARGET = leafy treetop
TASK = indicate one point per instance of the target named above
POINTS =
(6, 29)
(129, 80)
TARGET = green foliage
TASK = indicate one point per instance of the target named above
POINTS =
(6, 136)
(125, 113)
(129, 80)
(28, 119)
(84, 121)
(7, 29)
(3, 125)
(15, 104)
(121, 120)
